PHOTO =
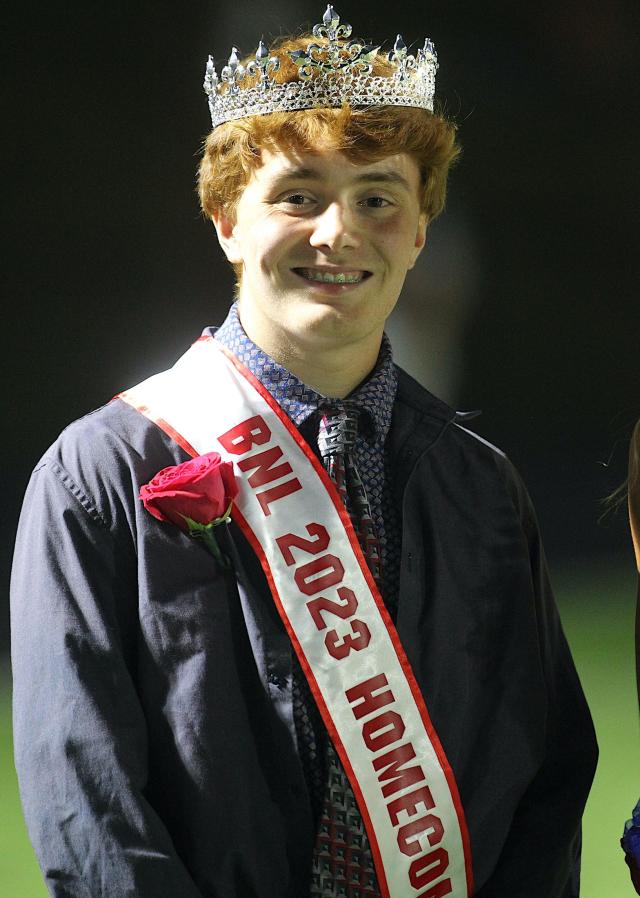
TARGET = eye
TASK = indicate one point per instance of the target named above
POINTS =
(376, 202)
(296, 199)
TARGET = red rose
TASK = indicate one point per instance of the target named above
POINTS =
(201, 489)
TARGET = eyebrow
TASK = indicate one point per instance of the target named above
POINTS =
(311, 174)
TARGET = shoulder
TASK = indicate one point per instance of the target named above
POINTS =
(452, 445)
(104, 457)
(107, 435)
(415, 403)
(413, 399)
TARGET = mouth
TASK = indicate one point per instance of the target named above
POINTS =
(340, 277)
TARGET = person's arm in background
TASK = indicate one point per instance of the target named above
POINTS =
(634, 523)
(631, 838)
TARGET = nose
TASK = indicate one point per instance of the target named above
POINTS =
(335, 228)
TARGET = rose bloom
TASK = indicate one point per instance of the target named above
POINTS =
(201, 489)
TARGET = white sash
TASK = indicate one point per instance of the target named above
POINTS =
(348, 648)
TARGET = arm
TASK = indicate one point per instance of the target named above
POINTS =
(80, 734)
(542, 853)
(634, 523)
(629, 840)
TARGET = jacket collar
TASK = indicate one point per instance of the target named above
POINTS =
(419, 421)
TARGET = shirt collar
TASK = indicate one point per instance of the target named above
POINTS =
(374, 396)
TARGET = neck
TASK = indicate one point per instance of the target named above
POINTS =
(331, 370)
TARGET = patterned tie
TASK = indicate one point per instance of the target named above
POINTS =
(342, 861)
(336, 441)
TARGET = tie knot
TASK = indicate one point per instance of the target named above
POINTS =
(338, 429)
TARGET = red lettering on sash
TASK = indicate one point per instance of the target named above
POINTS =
(390, 765)
(431, 825)
(410, 802)
(340, 647)
(425, 869)
(318, 575)
(239, 439)
(312, 546)
(343, 610)
(266, 497)
(264, 461)
(382, 730)
(379, 731)
(308, 581)
(443, 888)
(365, 692)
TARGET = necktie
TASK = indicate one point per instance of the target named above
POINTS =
(336, 441)
(342, 860)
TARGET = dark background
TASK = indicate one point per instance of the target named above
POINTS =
(110, 271)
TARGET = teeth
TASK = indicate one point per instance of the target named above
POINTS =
(325, 277)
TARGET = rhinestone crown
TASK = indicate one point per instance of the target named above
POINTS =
(329, 74)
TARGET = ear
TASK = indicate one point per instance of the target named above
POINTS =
(421, 238)
(226, 231)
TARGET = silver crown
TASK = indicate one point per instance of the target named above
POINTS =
(329, 75)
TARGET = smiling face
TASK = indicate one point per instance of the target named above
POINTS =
(324, 245)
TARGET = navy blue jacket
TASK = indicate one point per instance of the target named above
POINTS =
(154, 732)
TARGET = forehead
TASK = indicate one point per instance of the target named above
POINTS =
(334, 167)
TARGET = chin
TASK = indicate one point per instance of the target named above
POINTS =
(321, 314)
(327, 326)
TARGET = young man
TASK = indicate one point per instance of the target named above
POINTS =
(359, 686)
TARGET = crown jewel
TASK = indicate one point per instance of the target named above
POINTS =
(329, 74)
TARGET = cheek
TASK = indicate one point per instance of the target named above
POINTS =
(396, 237)
(274, 243)
(398, 248)
(257, 246)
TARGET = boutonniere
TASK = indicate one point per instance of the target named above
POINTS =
(196, 495)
